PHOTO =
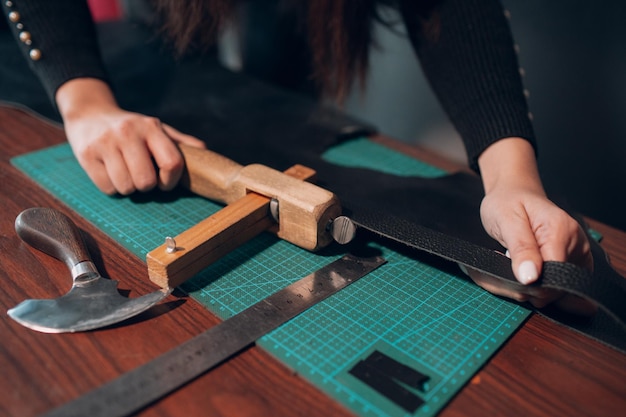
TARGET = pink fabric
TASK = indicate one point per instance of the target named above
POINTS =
(103, 10)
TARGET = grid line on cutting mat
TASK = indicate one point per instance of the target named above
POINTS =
(435, 321)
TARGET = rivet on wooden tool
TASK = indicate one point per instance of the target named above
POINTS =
(170, 244)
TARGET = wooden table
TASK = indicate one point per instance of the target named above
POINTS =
(544, 370)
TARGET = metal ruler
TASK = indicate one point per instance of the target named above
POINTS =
(157, 378)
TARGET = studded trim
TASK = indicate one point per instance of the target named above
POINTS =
(24, 36)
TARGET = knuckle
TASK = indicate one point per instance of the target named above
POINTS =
(155, 121)
(126, 188)
(571, 227)
(108, 190)
(173, 163)
(146, 183)
(91, 151)
(104, 186)
(125, 127)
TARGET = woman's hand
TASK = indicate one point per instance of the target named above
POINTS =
(516, 212)
(120, 151)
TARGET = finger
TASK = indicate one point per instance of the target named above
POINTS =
(496, 289)
(556, 241)
(139, 164)
(496, 286)
(521, 243)
(577, 305)
(98, 174)
(118, 173)
(167, 158)
(181, 137)
(566, 241)
(582, 255)
(544, 296)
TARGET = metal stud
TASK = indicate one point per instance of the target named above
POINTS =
(35, 54)
(19, 26)
(14, 17)
(8, 3)
(25, 37)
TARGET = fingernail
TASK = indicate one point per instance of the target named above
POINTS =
(527, 272)
(463, 269)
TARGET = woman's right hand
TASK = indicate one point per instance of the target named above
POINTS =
(121, 151)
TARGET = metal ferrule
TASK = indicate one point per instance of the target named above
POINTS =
(84, 272)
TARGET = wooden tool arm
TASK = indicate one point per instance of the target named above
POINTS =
(304, 212)
(206, 242)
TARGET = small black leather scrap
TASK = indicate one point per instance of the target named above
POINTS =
(386, 386)
(396, 370)
(251, 122)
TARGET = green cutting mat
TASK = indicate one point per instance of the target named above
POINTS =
(436, 322)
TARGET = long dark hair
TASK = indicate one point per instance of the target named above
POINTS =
(339, 33)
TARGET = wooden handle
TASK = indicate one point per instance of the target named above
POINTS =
(53, 233)
(304, 208)
(210, 174)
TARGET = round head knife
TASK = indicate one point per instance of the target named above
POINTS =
(93, 301)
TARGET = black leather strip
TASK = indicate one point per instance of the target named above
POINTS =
(607, 290)
(396, 370)
(386, 386)
(605, 287)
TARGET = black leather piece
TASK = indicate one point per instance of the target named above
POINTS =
(396, 370)
(251, 122)
(605, 287)
(386, 386)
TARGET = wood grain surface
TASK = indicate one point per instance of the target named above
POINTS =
(544, 370)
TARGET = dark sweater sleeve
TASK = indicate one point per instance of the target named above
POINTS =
(58, 38)
(467, 52)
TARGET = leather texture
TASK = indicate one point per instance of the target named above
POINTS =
(252, 122)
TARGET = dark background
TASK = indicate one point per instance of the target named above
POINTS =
(575, 56)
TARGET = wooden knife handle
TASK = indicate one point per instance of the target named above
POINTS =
(304, 209)
(53, 233)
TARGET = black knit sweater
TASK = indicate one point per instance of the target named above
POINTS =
(470, 61)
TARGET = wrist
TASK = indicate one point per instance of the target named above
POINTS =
(82, 96)
(510, 162)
